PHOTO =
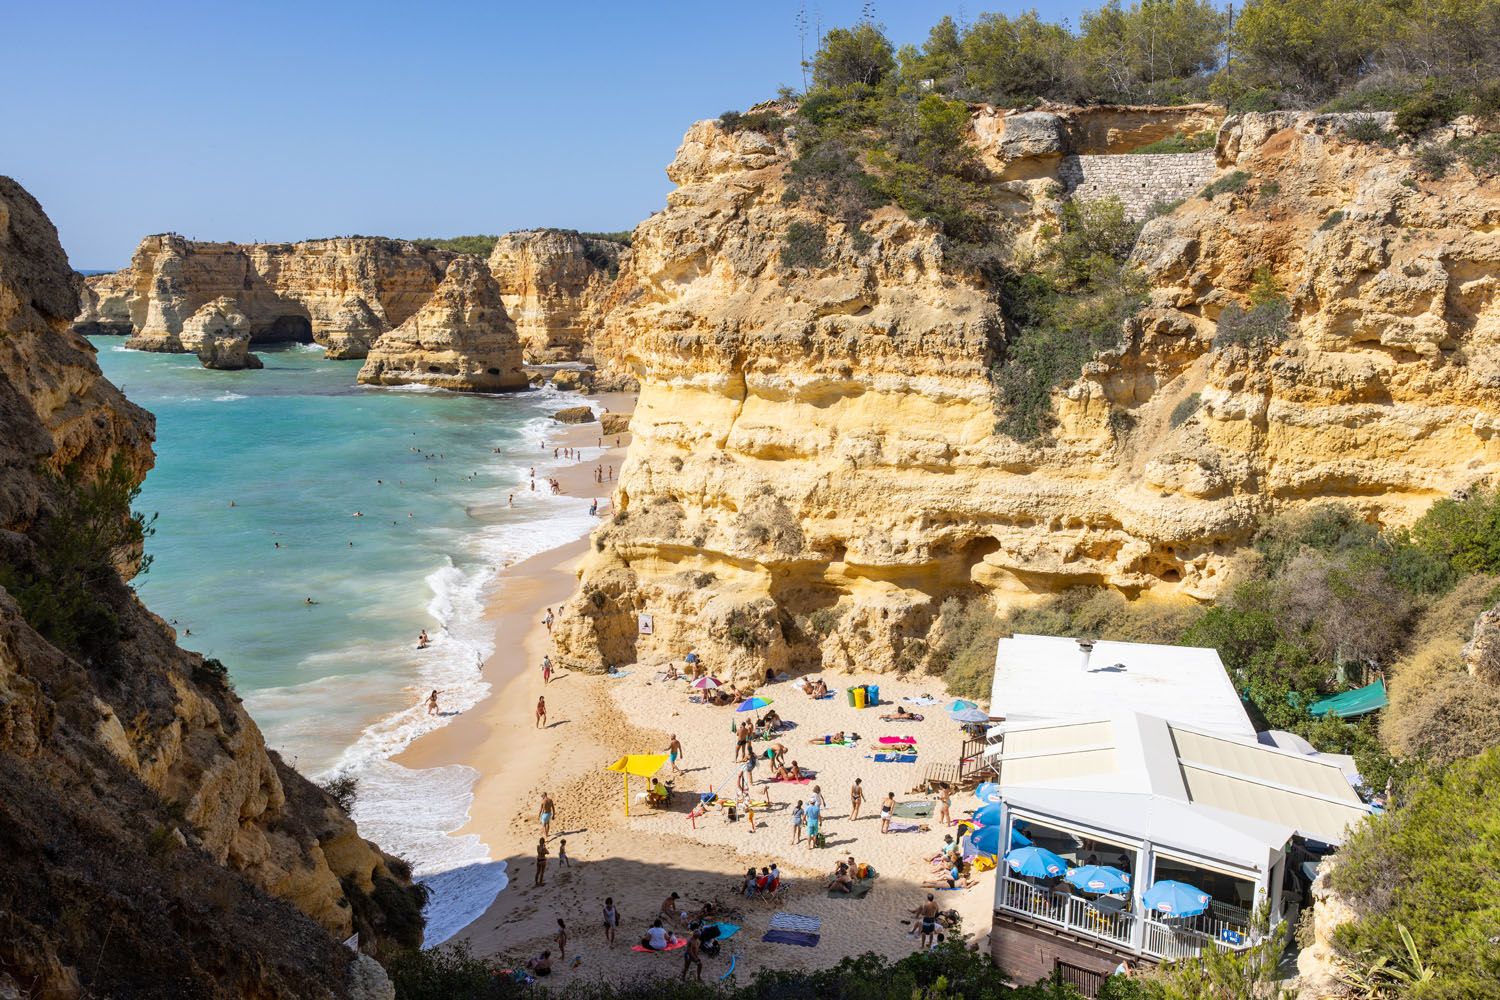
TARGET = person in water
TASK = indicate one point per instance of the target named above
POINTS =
(432, 705)
(309, 601)
(422, 641)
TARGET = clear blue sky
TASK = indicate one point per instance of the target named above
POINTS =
(284, 121)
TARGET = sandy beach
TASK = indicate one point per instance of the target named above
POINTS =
(640, 860)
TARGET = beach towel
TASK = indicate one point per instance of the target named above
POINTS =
(896, 827)
(800, 938)
(781, 920)
(923, 700)
(618, 674)
(899, 739)
(860, 890)
(824, 697)
(727, 931)
(908, 717)
(895, 758)
(673, 946)
(914, 810)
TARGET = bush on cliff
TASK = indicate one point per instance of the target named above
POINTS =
(477, 244)
(1429, 865)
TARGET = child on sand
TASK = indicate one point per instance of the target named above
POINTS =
(562, 940)
(562, 854)
(611, 920)
(798, 818)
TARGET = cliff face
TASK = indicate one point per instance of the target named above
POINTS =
(554, 285)
(461, 338)
(152, 845)
(815, 465)
(341, 293)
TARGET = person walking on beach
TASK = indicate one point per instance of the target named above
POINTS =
(944, 798)
(611, 920)
(541, 712)
(817, 796)
(856, 799)
(674, 753)
(798, 818)
(432, 705)
(562, 940)
(546, 670)
(545, 814)
(541, 862)
(690, 957)
(886, 809)
(562, 854)
(927, 913)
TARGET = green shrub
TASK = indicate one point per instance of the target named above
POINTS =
(1265, 322)
(1195, 142)
(767, 122)
(477, 244)
(343, 789)
(68, 584)
(964, 652)
(1270, 190)
(1366, 128)
(1481, 153)
(1463, 533)
(1231, 183)
(1184, 410)
(1435, 159)
(1424, 110)
(1333, 219)
(1429, 866)
(804, 244)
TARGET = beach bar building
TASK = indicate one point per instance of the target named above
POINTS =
(1184, 793)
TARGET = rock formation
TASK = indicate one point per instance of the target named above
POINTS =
(341, 293)
(575, 415)
(152, 845)
(222, 334)
(554, 284)
(815, 465)
(461, 338)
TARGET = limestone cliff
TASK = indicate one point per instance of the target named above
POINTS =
(152, 846)
(341, 293)
(554, 284)
(461, 338)
(815, 464)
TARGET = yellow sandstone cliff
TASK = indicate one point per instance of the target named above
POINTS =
(554, 284)
(341, 293)
(815, 465)
(151, 843)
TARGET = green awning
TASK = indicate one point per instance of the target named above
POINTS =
(1352, 704)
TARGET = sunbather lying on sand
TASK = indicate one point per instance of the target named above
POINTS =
(814, 688)
(955, 879)
(901, 715)
(838, 737)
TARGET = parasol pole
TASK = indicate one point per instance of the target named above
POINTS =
(626, 776)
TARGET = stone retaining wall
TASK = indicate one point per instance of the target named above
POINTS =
(1139, 180)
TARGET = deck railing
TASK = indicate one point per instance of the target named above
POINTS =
(1103, 921)
(1071, 913)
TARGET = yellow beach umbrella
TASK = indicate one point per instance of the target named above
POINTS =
(642, 765)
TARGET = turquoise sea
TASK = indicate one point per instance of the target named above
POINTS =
(388, 508)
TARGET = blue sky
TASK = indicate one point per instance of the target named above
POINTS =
(283, 121)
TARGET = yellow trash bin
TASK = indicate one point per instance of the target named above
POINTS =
(859, 697)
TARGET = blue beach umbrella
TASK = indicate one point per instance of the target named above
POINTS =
(691, 658)
(988, 791)
(1176, 899)
(988, 815)
(1033, 862)
(1098, 878)
(960, 705)
(753, 704)
(1018, 839)
(970, 715)
(986, 840)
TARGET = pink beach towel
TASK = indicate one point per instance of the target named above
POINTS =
(898, 739)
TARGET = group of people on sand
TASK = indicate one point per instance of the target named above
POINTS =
(846, 873)
(765, 882)
(814, 687)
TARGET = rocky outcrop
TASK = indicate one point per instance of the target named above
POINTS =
(461, 339)
(152, 845)
(816, 465)
(554, 284)
(1319, 966)
(574, 415)
(222, 334)
(1481, 656)
(341, 293)
(615, 423)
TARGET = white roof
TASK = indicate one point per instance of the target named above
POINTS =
(1039, 677)
(1139, 775)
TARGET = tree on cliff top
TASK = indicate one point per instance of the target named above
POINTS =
(858, 55)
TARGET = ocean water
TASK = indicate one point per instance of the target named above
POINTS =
(387, 508)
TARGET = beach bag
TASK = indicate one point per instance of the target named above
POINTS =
(863, 871)
(984, 863)
(821, 840)
(733, 814)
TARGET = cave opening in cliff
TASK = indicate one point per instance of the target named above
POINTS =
(284, 330)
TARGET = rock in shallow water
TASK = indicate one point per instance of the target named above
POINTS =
(575, 415)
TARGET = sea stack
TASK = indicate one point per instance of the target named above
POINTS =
(461, 339)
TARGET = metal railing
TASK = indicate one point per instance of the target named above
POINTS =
(1071, 913)
(1188, 938)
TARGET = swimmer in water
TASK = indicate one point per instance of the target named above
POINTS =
(359, 513)
(309, 601)
(422, 640)
(231, 503)
(432, 705)
(277, 544)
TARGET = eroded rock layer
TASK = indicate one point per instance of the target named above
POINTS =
(554, 284)
(151, 844)
(815, 465)
(341, 293)
(461, 338)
